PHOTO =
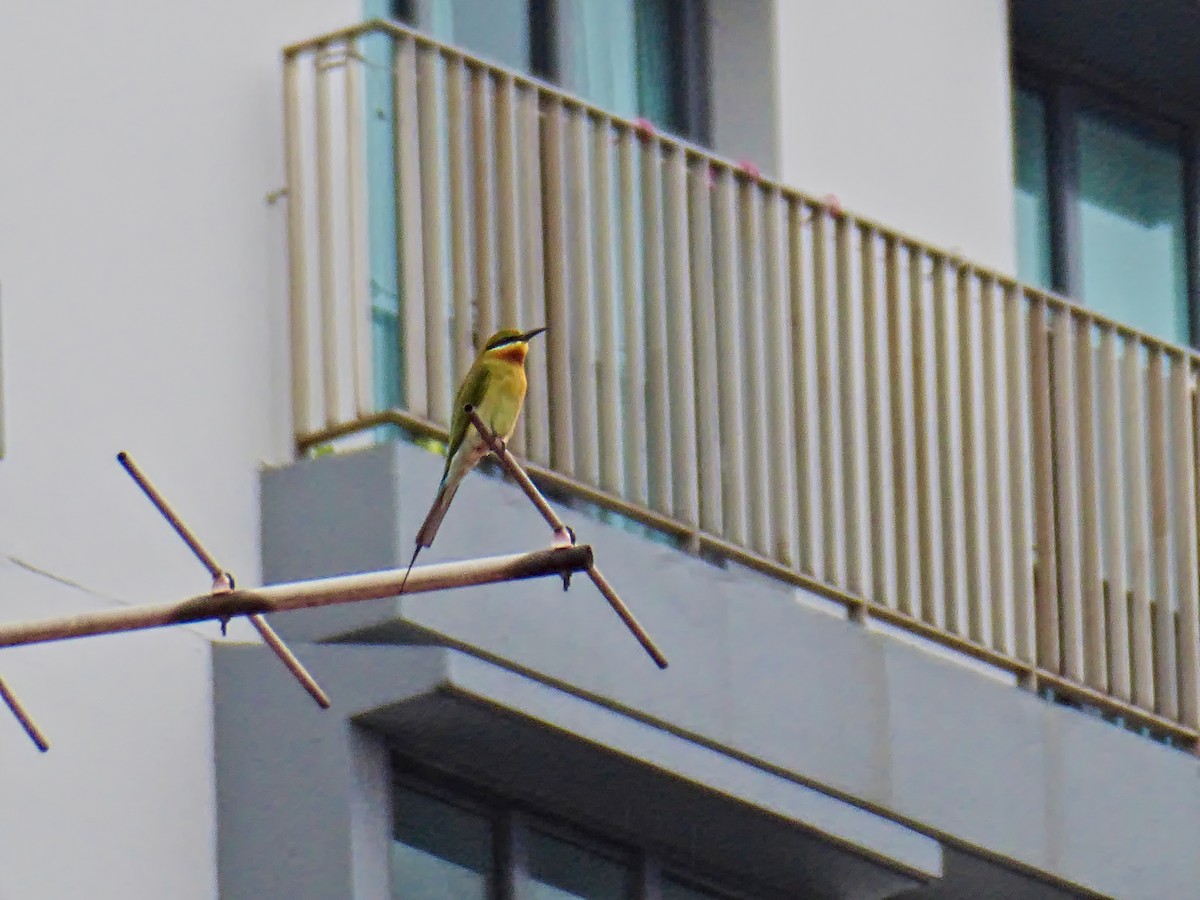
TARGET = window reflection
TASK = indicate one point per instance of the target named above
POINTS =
(1132, 232)
(1032, 201)
(440, 851)
(559, 870)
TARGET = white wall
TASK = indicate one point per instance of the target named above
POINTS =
(142, 305)
(902, 110)
(743, 106)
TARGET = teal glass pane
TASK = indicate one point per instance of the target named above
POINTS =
(1032, 184)
(440, 852)
(497, 30)
(657, 65)
(559, 870)
(1132, 234)
(597, 52)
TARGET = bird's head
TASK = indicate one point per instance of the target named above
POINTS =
(509, 344)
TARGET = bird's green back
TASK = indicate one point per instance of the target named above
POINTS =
(470, 393)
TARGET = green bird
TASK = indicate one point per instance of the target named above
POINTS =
(495, 388)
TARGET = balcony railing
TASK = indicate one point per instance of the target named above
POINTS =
(774, 379)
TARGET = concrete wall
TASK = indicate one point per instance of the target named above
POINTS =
(143, 296)
(902, 111)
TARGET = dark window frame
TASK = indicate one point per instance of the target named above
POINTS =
(1069, 90)
(513, 820)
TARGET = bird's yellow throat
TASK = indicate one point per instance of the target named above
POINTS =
(511, 353)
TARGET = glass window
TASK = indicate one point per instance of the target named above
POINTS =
(630, 57)
(560, 870)
(497, 30)
(660, 65)
(1132, 228)
(1032, 188)
(440, 851)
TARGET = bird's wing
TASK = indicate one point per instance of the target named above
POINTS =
(470, 393)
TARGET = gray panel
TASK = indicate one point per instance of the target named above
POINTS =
(1104, 816)
(989, 781)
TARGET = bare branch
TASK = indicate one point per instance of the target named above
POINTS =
(302, 595)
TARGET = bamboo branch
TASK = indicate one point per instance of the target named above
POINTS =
(301, 595)
(222, 580)
(562, 534)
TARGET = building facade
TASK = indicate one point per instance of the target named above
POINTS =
(869, 378)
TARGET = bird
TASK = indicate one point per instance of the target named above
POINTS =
(494, 387)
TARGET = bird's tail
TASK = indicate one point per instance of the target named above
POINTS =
(433, 522)
(437, 512)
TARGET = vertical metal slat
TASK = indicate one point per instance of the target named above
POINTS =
(855, 509)
(327, 232)
(704, 333)
(409, 240)
(881, 519)
(1095, 657)
(682, 374)
(582, 308)
(302, 420)
(1134, 478)
(729, 387)
(900, 340)
(534, 423)
(608, 388)
(1020, 465)
(1162, 609)
(437, 332)
(462, 339)
(781, 440)
(356, 213)
(1040, 393)
(753, 401)
(634, 381)
(1117, 599)
(658, 423)
(1066, 506)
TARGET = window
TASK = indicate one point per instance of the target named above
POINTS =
(557, 869)
(439, 851)
(1101, 206)
(632, 57)
(451, 843)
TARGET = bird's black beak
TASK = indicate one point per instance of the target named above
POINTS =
(527, 335)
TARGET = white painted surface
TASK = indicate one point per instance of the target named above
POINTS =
(144, 309)
(902, 110)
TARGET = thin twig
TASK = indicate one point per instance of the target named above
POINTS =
(627, 617)
(11, 701)
(562, 533)
(164, 509)
(222, 580)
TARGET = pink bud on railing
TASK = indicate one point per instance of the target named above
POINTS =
(834, 204)
(749, 169)
(644, 128)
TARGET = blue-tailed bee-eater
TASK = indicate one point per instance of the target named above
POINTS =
(495, 388)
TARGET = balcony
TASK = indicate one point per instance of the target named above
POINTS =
(754, 373)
